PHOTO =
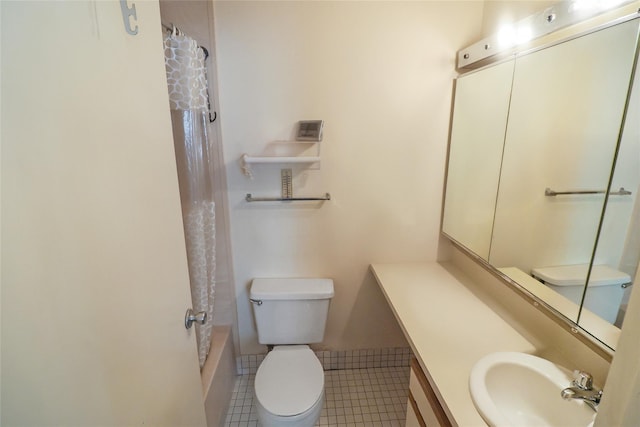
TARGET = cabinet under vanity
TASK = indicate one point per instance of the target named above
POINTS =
(423, 407)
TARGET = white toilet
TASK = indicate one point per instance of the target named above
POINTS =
(289, 383)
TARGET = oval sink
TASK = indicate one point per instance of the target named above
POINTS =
(518, 389)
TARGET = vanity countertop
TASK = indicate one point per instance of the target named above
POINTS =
(448, 328)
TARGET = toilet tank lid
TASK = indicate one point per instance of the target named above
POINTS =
(291, 288)
(572, 275)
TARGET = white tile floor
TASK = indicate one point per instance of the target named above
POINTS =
(375, 397)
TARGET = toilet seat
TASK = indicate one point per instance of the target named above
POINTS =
(289, 381)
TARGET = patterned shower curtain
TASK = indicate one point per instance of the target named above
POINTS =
(186, 77)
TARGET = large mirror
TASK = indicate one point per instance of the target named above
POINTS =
(534, 144)
(619, 238)
(476, 133)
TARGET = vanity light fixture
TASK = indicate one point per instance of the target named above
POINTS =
(510, 35)
(559, 15)
(506, 36)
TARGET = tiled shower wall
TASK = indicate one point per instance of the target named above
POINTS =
(348, 359)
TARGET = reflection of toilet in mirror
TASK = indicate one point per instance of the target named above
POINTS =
(289, 384)
(605, 292)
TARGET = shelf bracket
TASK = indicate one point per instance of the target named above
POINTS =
(286, 183)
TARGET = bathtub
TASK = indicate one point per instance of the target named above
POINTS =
(218, 376)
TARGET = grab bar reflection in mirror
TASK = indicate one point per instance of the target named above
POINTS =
(621, 192)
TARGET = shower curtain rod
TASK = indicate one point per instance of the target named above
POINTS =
(170, 28)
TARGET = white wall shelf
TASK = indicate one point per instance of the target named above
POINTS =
(279, 159)
(247, 160)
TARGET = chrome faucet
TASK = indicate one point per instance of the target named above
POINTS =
(582, 388)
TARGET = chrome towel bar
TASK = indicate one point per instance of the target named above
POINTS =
(621, 192)
(250, 198)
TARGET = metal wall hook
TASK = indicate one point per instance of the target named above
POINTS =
(190, 317)
(127, 14)
(205, 51)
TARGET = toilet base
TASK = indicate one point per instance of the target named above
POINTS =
(307, 419)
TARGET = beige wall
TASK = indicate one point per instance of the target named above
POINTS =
(380, 75)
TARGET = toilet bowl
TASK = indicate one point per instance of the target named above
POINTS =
(289, 387)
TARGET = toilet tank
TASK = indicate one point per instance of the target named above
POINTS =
(606, 286)
(291, 310)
